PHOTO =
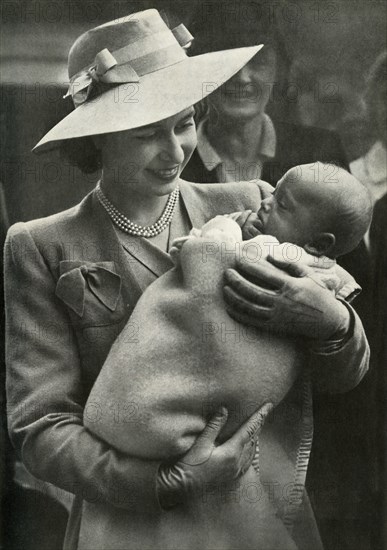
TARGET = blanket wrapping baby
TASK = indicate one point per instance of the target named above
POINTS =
(179, 358)
(188, 357)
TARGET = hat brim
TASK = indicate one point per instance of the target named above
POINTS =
(159, 95)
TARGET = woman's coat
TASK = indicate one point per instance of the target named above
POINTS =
(58, 336)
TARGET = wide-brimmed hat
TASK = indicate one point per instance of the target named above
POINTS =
(135, 71)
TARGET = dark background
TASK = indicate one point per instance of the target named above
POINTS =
(332, 46)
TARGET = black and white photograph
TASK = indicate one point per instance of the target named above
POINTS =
(193, 220)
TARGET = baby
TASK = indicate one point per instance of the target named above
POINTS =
(326, 215)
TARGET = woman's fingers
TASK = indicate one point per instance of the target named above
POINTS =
(250, 429)
(245, 439)
(262, 272)
(214, 426)
(202, 448)
(253, 425)
(295, 269)
(243, 288)
(237, 306)
(206, 463)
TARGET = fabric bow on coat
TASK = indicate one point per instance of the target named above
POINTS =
(104, 284)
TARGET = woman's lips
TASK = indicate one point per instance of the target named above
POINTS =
(166, 174)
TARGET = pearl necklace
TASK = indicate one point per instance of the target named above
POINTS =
(124, 223)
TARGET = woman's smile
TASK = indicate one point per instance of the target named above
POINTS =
(165, 174)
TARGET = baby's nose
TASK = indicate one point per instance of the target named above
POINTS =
(266, 204)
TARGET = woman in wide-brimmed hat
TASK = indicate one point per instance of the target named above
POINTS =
(73, 280)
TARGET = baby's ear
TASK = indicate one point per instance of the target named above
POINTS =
(321, 245)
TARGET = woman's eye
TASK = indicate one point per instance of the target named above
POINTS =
(186, 125)
(147, 135)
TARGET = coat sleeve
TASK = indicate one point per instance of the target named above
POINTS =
(44, 391)
(338, 367)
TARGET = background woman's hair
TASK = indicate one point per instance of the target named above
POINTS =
(376, 97)
(217, 31)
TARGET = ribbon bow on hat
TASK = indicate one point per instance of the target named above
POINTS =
(101, 71)
(130, 62)
(103, 283)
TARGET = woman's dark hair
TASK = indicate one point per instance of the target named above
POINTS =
(250, 25)
(82, 152)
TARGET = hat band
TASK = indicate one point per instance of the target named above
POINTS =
(128, 64)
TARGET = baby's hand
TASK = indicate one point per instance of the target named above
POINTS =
(239, 217)
(251, 227)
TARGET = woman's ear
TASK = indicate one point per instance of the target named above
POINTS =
(321, 245)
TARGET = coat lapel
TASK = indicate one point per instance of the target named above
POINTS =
(92, 238)
(130, 287)
(147, 254)
(151, 256)
(194, 205)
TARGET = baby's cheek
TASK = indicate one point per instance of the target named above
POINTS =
(277, 227)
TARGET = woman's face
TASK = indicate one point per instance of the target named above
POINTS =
(247, 93)
(150, 159)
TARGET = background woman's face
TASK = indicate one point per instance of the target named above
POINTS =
(150, 159)
(247, 93)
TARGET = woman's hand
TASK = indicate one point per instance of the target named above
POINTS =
(291, 302)
(208, 463)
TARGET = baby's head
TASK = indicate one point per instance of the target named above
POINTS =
(320, 207)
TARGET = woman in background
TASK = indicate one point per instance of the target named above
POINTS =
(237, 139)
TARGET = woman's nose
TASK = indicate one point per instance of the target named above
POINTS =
(243, 76)
(172, 150)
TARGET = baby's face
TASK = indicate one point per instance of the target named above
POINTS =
(290, 214)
